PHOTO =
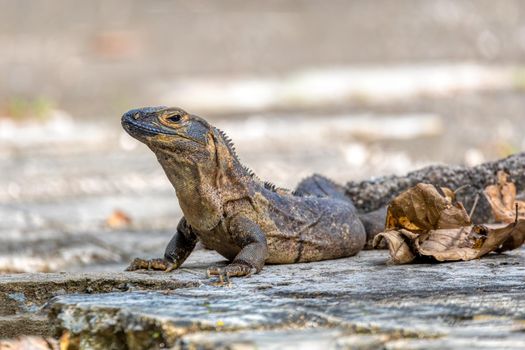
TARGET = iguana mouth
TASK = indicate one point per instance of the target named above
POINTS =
(144, 129)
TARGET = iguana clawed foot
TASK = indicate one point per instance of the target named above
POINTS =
(151, 264)
(235, 269)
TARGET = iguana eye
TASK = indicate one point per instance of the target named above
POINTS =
(174, 118)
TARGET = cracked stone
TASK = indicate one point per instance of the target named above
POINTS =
(359, 296)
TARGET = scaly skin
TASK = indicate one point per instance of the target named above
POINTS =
(230, 210)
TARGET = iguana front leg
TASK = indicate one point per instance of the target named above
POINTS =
(254, 250)
(178, 249)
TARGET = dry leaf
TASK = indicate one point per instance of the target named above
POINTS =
(424, 222)
(502, 199)
(466, 243)
(398, 243)
(423, 207)
(118, 219)
(449, 244)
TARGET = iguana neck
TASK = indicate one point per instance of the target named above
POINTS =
(204, 185)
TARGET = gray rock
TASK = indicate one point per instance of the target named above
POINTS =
(302, 339)
(28, 292)
(372, 194)
(24, 324)
(445, 304)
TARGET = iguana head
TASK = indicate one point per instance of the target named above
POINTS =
(198, 159)
(175, 135)
(167, 128)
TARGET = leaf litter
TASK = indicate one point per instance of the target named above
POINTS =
(427, 221)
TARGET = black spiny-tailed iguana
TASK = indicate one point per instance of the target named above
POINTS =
(231, 211)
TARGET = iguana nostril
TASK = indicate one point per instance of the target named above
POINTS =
(136, 116)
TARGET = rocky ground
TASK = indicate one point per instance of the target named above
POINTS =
(353, 303)
(76, 210)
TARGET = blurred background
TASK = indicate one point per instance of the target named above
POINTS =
(349, 89)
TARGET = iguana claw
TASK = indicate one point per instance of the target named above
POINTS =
(151, 264)
(232, 270)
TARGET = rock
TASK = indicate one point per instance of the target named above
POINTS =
(487, 339)
(23, 297)
(356, 297)
(372, 194)
(321, 338)
(24, 324)
(28, 292)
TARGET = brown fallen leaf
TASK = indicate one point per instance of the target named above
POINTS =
(465, 243)
(502, 199)
(118, 219)
(424, 221)
(423, 207)
(399, 245)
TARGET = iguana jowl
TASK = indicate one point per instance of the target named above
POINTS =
(230, 210)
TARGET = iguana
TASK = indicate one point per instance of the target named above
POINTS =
(246, 220)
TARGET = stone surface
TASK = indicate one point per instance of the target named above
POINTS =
(440, 303)
(303, 339)
(23, 297)
(24, 324)
(28, 292)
